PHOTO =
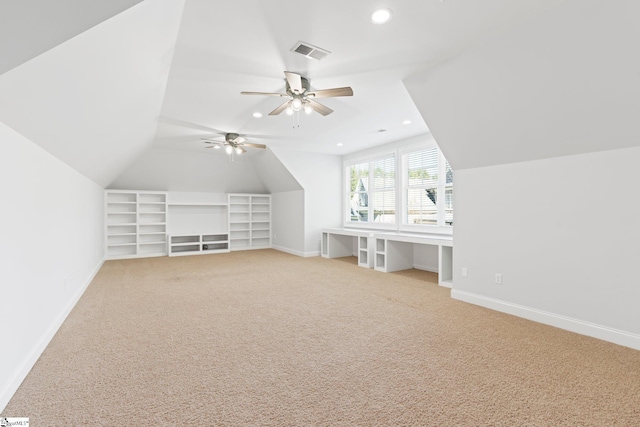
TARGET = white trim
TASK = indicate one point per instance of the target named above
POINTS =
(605, 333)
(296, 253)
(426, 268)
(23, 370)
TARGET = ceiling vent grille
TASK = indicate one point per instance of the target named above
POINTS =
(310, 51)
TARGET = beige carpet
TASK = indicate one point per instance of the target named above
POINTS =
(262, 338)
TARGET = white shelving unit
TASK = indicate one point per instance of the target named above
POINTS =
(155, 223)
(136, 224)
(249, 221)
(198, 244)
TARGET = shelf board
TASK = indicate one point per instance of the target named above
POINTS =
(151, 233)
(111, 245)
(120, 234)
(121, 213)
(119, 224)
(153, 243)
(198, 204)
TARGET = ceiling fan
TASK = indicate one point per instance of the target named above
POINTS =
(302, 97)
(233, 144)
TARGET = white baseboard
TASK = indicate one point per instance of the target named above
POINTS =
(294, 252)
(605, 333)
(9, 389)
(425, 268)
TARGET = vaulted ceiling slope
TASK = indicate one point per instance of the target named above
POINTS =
(93, 101)
(207, 171)
(565, 82)
(30, 27)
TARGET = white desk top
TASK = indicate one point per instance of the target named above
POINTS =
(427, 239)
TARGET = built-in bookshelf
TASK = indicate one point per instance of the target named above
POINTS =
(136, 224)
(249, 221)
(155, 223)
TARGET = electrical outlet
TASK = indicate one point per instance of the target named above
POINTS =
(464, 272)
(498, 279)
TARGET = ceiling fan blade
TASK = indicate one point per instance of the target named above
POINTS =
(280, 109)
(239, 140)
(264, 93)
(242, 150)
(247, 144)
(322, 109)
(330, 93)
(294, 80)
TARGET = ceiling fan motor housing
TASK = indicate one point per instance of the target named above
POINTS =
(306, 86)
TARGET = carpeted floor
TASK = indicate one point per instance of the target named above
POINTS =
(263, 338)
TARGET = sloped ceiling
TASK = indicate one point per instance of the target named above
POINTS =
(30, 27)
(93, 101)
(565, 82)
(199, 171)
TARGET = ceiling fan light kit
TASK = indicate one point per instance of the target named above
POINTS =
(301, 97)
(233, 144)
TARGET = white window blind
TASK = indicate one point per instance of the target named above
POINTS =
(372, 191)
(428, 188)
(384, 190)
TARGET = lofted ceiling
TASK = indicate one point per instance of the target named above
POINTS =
(224, 48)
(161, 74)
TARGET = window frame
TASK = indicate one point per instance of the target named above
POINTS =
(398, 150)
(440, 227)
(370, 160)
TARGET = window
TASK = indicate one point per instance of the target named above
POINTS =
(372, 191)
(406, 189)
(427, 188)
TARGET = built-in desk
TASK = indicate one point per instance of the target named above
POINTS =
(340, 242)
(388, 252)
(394, 251)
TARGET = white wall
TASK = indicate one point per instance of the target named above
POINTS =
(52, 243)
(320, 175)
(564, 233)
(287, 223)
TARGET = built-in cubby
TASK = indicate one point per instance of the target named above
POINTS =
(198, 244)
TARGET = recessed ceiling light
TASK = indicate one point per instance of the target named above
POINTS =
(257, 114)
(381, 16)
(339, 144)
(406, 122)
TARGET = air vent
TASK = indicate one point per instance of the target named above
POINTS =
(310, 51)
